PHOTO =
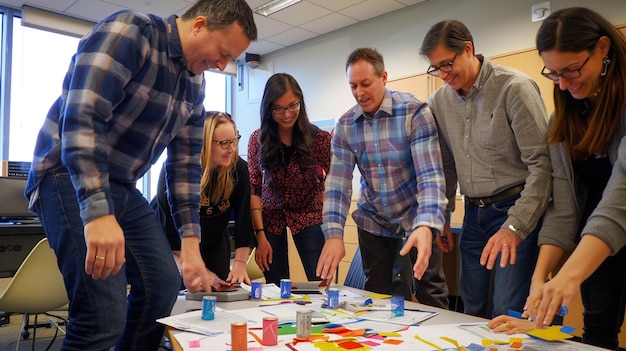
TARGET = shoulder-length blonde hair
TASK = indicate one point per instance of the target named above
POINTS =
(224, 180)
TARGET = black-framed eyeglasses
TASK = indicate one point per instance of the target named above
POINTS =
(446, 67)
(225, 144)
(279, 111)
(568, 73)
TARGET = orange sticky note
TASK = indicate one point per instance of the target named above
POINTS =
(349, 345)
(393, 341)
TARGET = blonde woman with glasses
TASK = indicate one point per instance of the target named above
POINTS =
(225, 192)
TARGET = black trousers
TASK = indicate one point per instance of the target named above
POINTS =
(387, 272)
(603, 296)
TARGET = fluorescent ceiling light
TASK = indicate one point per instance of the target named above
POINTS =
(53, 22)
(274, 6)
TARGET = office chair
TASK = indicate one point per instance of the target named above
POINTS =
(36, 288)
(253, 270)
(355, 277)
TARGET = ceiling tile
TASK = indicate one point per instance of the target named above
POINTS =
(157, 7)
(335, 5)
(291, 36)
(13, 3)
(256, 3)
(371, 8)
(56, 6)
(268, 27)
(411, 2)
(93, 10)
(329, 23)
(300, 13)
(296, 23)
(262, 47)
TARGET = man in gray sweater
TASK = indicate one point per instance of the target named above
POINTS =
(492, 129)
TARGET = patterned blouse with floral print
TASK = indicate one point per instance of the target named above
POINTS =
(291, 196)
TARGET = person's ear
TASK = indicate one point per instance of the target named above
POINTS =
(199, 23)
(469, 48)
(604, 44)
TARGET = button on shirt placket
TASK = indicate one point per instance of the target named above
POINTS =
(467, 137)
(379, 164)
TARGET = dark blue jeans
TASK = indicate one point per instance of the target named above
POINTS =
(603, 295)
(309, 243)
(510, 284)
(103, 313)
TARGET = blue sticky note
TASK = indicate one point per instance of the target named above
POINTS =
(514, 313)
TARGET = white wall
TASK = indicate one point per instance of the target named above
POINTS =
(498, 26)
(318, 64)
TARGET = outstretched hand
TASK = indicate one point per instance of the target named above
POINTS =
(422, 239)
(510, 325)
(332, 253)
(503, 241)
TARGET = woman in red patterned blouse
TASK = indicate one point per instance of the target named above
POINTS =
(288, 158)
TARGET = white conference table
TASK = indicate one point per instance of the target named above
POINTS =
(444, 316)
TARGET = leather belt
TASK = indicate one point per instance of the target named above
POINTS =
(505, 194)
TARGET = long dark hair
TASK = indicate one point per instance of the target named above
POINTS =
(303, 134)
(578, 29)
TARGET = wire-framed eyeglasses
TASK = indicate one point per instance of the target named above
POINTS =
(279, 111)
(446, 67)
(568, 73)
(225, 144)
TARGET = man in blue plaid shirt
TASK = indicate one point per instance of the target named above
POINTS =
(392, 137)
(134, 88)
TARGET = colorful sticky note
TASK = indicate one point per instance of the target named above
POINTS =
(393, 341)
(378, 296)
(194, 344)
(349, 345)
(370, 343)
(390, 334)
(551, 333)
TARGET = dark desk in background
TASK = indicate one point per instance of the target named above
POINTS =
(16, 242)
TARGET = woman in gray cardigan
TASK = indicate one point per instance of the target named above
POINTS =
(585, 56)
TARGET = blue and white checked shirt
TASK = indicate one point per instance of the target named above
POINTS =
(402, 181)
(126, 97)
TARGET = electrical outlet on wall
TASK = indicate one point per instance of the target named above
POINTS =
(539, 12)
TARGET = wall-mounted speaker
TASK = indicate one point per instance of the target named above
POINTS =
(253, 60)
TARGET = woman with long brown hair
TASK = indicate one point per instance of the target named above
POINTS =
(288, 160)
(585, 56)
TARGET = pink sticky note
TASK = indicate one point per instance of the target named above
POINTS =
(370, 343)
(194, 344)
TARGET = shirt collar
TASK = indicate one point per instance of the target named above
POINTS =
(175, 49)
(385, 109)
(483, 74)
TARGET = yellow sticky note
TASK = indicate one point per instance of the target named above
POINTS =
(378, 296)
(390, 334)
(549, 333)
(489, 342)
